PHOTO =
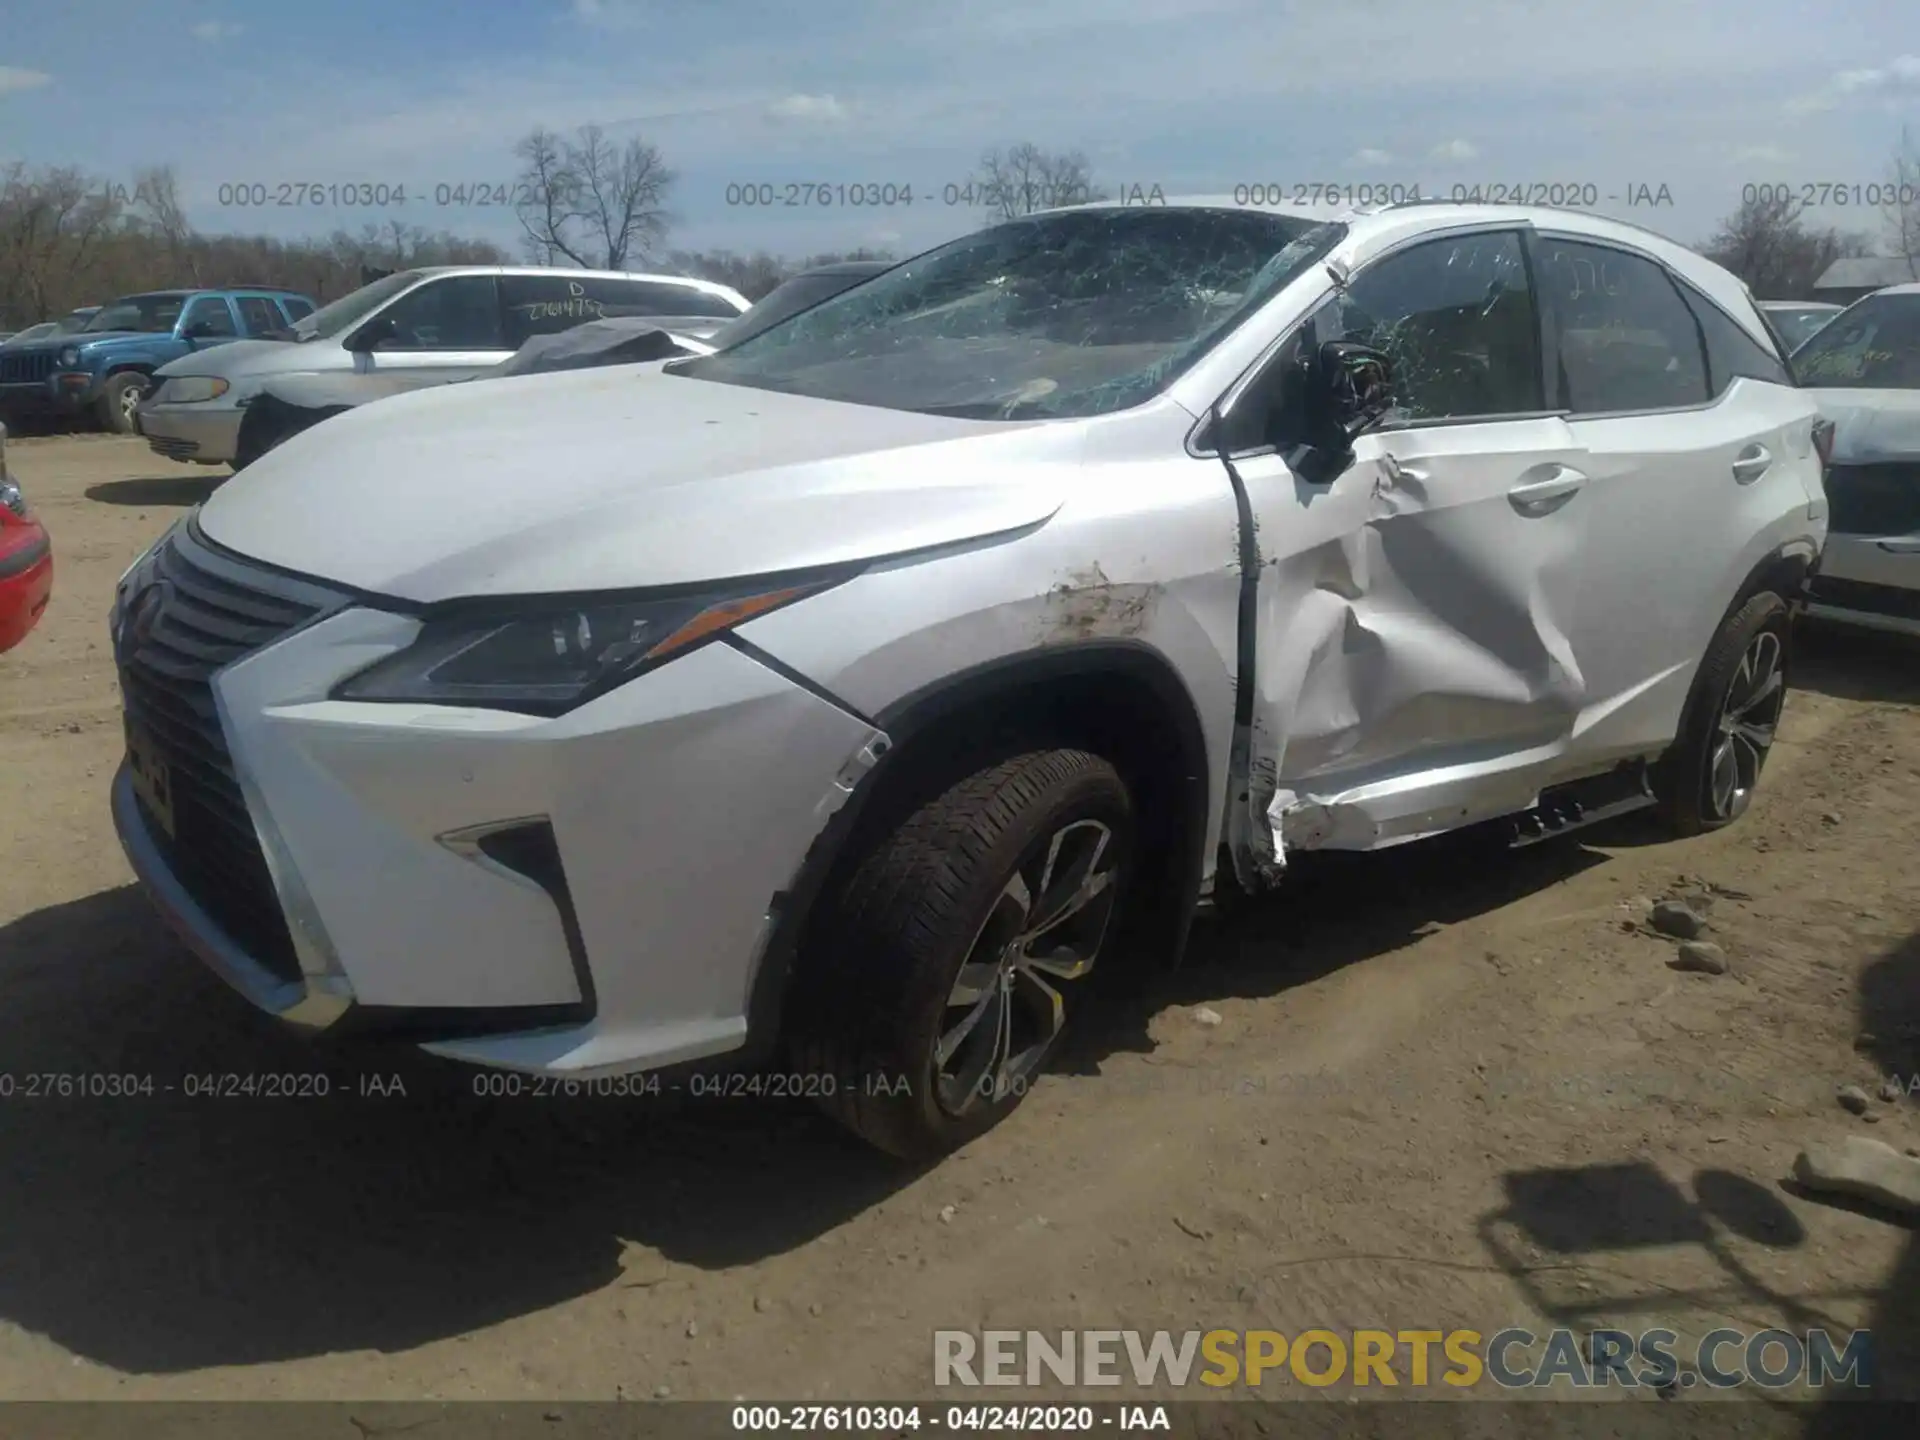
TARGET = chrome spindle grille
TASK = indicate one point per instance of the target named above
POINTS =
(213, 610)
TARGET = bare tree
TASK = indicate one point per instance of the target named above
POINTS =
(68, 238)
(591, 200)
(156, 201)
(1024, 178)
(1902, 210)
(1768, 244)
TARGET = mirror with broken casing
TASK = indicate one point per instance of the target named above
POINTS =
(1320, 405)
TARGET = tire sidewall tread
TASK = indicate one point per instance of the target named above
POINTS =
(883, 960)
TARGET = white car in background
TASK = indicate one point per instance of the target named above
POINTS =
(1797, 321)
(1864, 370)
(405, 331)
(845, 695)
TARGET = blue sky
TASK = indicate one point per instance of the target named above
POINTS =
(1701, 96)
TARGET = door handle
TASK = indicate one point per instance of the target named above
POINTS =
(1901, 547)
(1751, 464)
(1539, 497)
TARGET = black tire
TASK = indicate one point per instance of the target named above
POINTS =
(1685, 779)
(880, 981)
(114, 408)
(248, 447)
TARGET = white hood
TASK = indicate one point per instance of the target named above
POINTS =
(625, 478)
(1871, 425)
(238, 359)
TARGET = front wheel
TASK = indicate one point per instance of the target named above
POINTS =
(943, 974)
(119, 399)
(1709, 778)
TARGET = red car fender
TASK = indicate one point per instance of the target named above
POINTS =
(26, 576)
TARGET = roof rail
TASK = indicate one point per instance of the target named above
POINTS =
(1521, 205)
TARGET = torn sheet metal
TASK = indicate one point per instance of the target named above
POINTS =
(1413, 662)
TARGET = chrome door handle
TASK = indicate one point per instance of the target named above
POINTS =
(1539, 497)
(1752, 463)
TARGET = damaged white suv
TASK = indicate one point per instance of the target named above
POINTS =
(839, 698)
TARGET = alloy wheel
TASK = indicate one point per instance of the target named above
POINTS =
(1748, 721)
(1046, 926)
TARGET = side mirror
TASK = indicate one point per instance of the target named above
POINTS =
(199, 330)
(1353, 386)
(369, 336)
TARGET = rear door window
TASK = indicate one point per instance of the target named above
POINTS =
(260, 315)
(1628, 342)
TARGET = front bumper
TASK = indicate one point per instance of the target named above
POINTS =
(681, 805)
(60, 394)
(208, 431)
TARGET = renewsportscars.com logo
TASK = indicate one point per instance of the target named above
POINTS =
(1512, 1359)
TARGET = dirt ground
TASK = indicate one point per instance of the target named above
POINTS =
(1443, 1090)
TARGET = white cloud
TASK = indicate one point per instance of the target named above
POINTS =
(13, 78)
(1372, 157)
(1891, 84)
(1455, 150)
(1901, 74)
(211, 30)
(807, 107)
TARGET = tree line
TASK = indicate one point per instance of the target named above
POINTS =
(70, 238)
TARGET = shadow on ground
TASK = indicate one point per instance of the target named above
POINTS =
(1851, 664)
(181, 490)
(1889, 1026)
(1563, 1232)
(167, 1231)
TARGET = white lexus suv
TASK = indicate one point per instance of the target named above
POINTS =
(830, 704)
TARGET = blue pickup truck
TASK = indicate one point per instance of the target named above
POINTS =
(103, 370)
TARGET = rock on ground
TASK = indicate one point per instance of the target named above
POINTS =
(1865, 1169)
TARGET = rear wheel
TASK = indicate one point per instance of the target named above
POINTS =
(944, 970)
(1709, 778)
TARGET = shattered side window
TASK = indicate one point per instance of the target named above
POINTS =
(1456, 317)
(1067, 314)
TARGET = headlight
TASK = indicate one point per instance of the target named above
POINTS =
(68, 356)
(187, 389)
(549, 659)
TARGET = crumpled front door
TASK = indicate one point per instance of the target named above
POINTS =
(1413, 670)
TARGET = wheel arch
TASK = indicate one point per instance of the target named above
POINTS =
(1119, 698)
(1786, 570)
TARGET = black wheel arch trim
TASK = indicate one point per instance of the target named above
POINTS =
(792, 909)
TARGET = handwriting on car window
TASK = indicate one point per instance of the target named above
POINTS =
(577, 306)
